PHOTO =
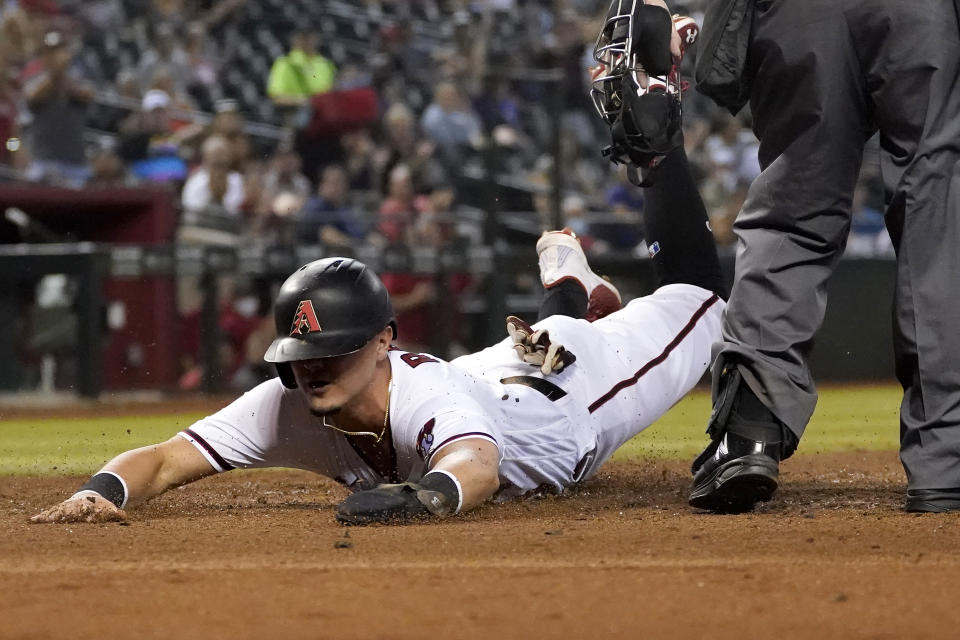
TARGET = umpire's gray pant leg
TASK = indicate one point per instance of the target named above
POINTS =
(810, 115)
(916, 88)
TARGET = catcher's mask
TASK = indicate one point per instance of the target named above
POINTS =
(328, 307)
(644, 123)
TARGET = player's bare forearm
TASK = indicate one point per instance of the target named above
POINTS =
(137, 475)
(151, 470)
(476, 464)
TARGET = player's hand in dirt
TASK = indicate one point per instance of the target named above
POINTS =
(86, 507)
(535, 347)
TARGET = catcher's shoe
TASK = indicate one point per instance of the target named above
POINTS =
(562, 258)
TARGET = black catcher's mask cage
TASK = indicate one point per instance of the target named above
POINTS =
(644, 123)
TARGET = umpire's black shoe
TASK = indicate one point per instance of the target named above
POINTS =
(933, 500)
(741, 465)
(741, 472)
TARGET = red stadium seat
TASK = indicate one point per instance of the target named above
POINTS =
(337, 112)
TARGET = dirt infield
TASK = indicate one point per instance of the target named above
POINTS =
(258, 555)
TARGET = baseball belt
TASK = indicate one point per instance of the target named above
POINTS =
(550, 390)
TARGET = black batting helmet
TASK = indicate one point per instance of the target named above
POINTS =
(328, 307)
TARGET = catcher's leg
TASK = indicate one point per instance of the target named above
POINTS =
(676, 229)
(566, 298)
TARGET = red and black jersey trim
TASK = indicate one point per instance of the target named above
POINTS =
(226, 466)
(632, 380)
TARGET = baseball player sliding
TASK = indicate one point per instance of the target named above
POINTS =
(416, 437)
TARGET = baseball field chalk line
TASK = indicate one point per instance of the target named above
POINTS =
(58, 565)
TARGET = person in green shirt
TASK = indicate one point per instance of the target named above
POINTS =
(301, 73)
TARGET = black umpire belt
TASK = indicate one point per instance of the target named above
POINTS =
(552, 391)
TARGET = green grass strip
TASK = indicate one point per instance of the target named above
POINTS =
(847, 418)
(67, 446)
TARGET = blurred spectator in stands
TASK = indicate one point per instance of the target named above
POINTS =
(449, 121)
(499, 109)
(622, 196)
(397, 70)
(302, 73)
(283, 193)
(540, 185)
(868, 233)
(241, 318)
(397, 211)
(227, 122)
(214, 184)
(721, 225)
(107, 170)
(253, 188)
(213, 12)
(462, 53)
(571, 39)
(401, 144)
(172, 12)
(330, 217)
(204, 64)
(439, 201)
(353, 76)
(16, 43)
(423, 324)
(358, 159)
(731, 158)
(126, 85)
(58, 102)
(12, 150)
(275, 221)
(284, 176)
(254, 370)
(148, 143)
(166, 52)
(97, 15)
(574, 209)
(621, 228)
(581, 170)
(180, 100)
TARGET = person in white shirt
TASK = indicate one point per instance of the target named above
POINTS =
(213, 183)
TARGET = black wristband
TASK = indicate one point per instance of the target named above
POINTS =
(448, 486)
(110, 486)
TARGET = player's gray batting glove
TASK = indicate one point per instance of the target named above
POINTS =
(534, 347)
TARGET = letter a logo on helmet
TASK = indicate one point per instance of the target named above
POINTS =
(354, 304)
(305, 320)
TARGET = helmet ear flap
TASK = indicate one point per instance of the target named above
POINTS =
(285, 371)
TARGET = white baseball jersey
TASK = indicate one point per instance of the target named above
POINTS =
(631, 367)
